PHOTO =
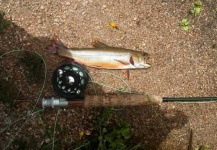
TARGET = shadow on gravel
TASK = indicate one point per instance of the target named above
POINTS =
(13, 37)
(151, 124)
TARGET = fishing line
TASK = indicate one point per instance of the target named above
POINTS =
(40, 91)
(54, 132)
(20, 119)
(108, 73)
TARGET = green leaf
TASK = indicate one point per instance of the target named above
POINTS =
(198, 4)
(204, 147)
(104, 130)
(192, 11)
(100, 138)
(184, 20)
(126, 133)
(197, 10)
(185, 24)
(186, 28)
(108, 138)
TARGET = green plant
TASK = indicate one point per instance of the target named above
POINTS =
(203, 147)
(185, 24)
(33, 65)
(120, 89)
(197, 6)
(108, 133)
(118, 135)
(3, 22)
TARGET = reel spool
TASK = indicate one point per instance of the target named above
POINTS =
(70, 80)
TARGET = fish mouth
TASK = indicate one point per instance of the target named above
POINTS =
(145, 65)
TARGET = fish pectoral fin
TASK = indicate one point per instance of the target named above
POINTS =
(122, 62)
(99, 44)
(127, 73)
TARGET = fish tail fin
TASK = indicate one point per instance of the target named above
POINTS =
(55, 45)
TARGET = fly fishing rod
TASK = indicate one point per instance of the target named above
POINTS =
(70, 81)
(120, 100)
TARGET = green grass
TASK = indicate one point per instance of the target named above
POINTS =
(33, 66)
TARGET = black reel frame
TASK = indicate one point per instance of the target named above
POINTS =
(70, 81)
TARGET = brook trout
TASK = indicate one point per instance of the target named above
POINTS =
(102, 56)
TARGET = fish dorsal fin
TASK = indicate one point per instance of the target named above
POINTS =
(99, 44)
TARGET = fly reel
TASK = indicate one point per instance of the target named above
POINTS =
(70, 80)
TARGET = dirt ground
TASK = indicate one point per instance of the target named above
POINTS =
(184, 64)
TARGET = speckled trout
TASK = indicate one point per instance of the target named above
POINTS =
(102, 56)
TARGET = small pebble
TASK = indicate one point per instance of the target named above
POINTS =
(47, 140)
(67, 3)
(42, 7)
(87, 132)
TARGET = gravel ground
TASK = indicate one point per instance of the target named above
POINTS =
(183, 63)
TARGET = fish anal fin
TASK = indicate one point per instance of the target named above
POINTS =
(122, 62)
(99, 44)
